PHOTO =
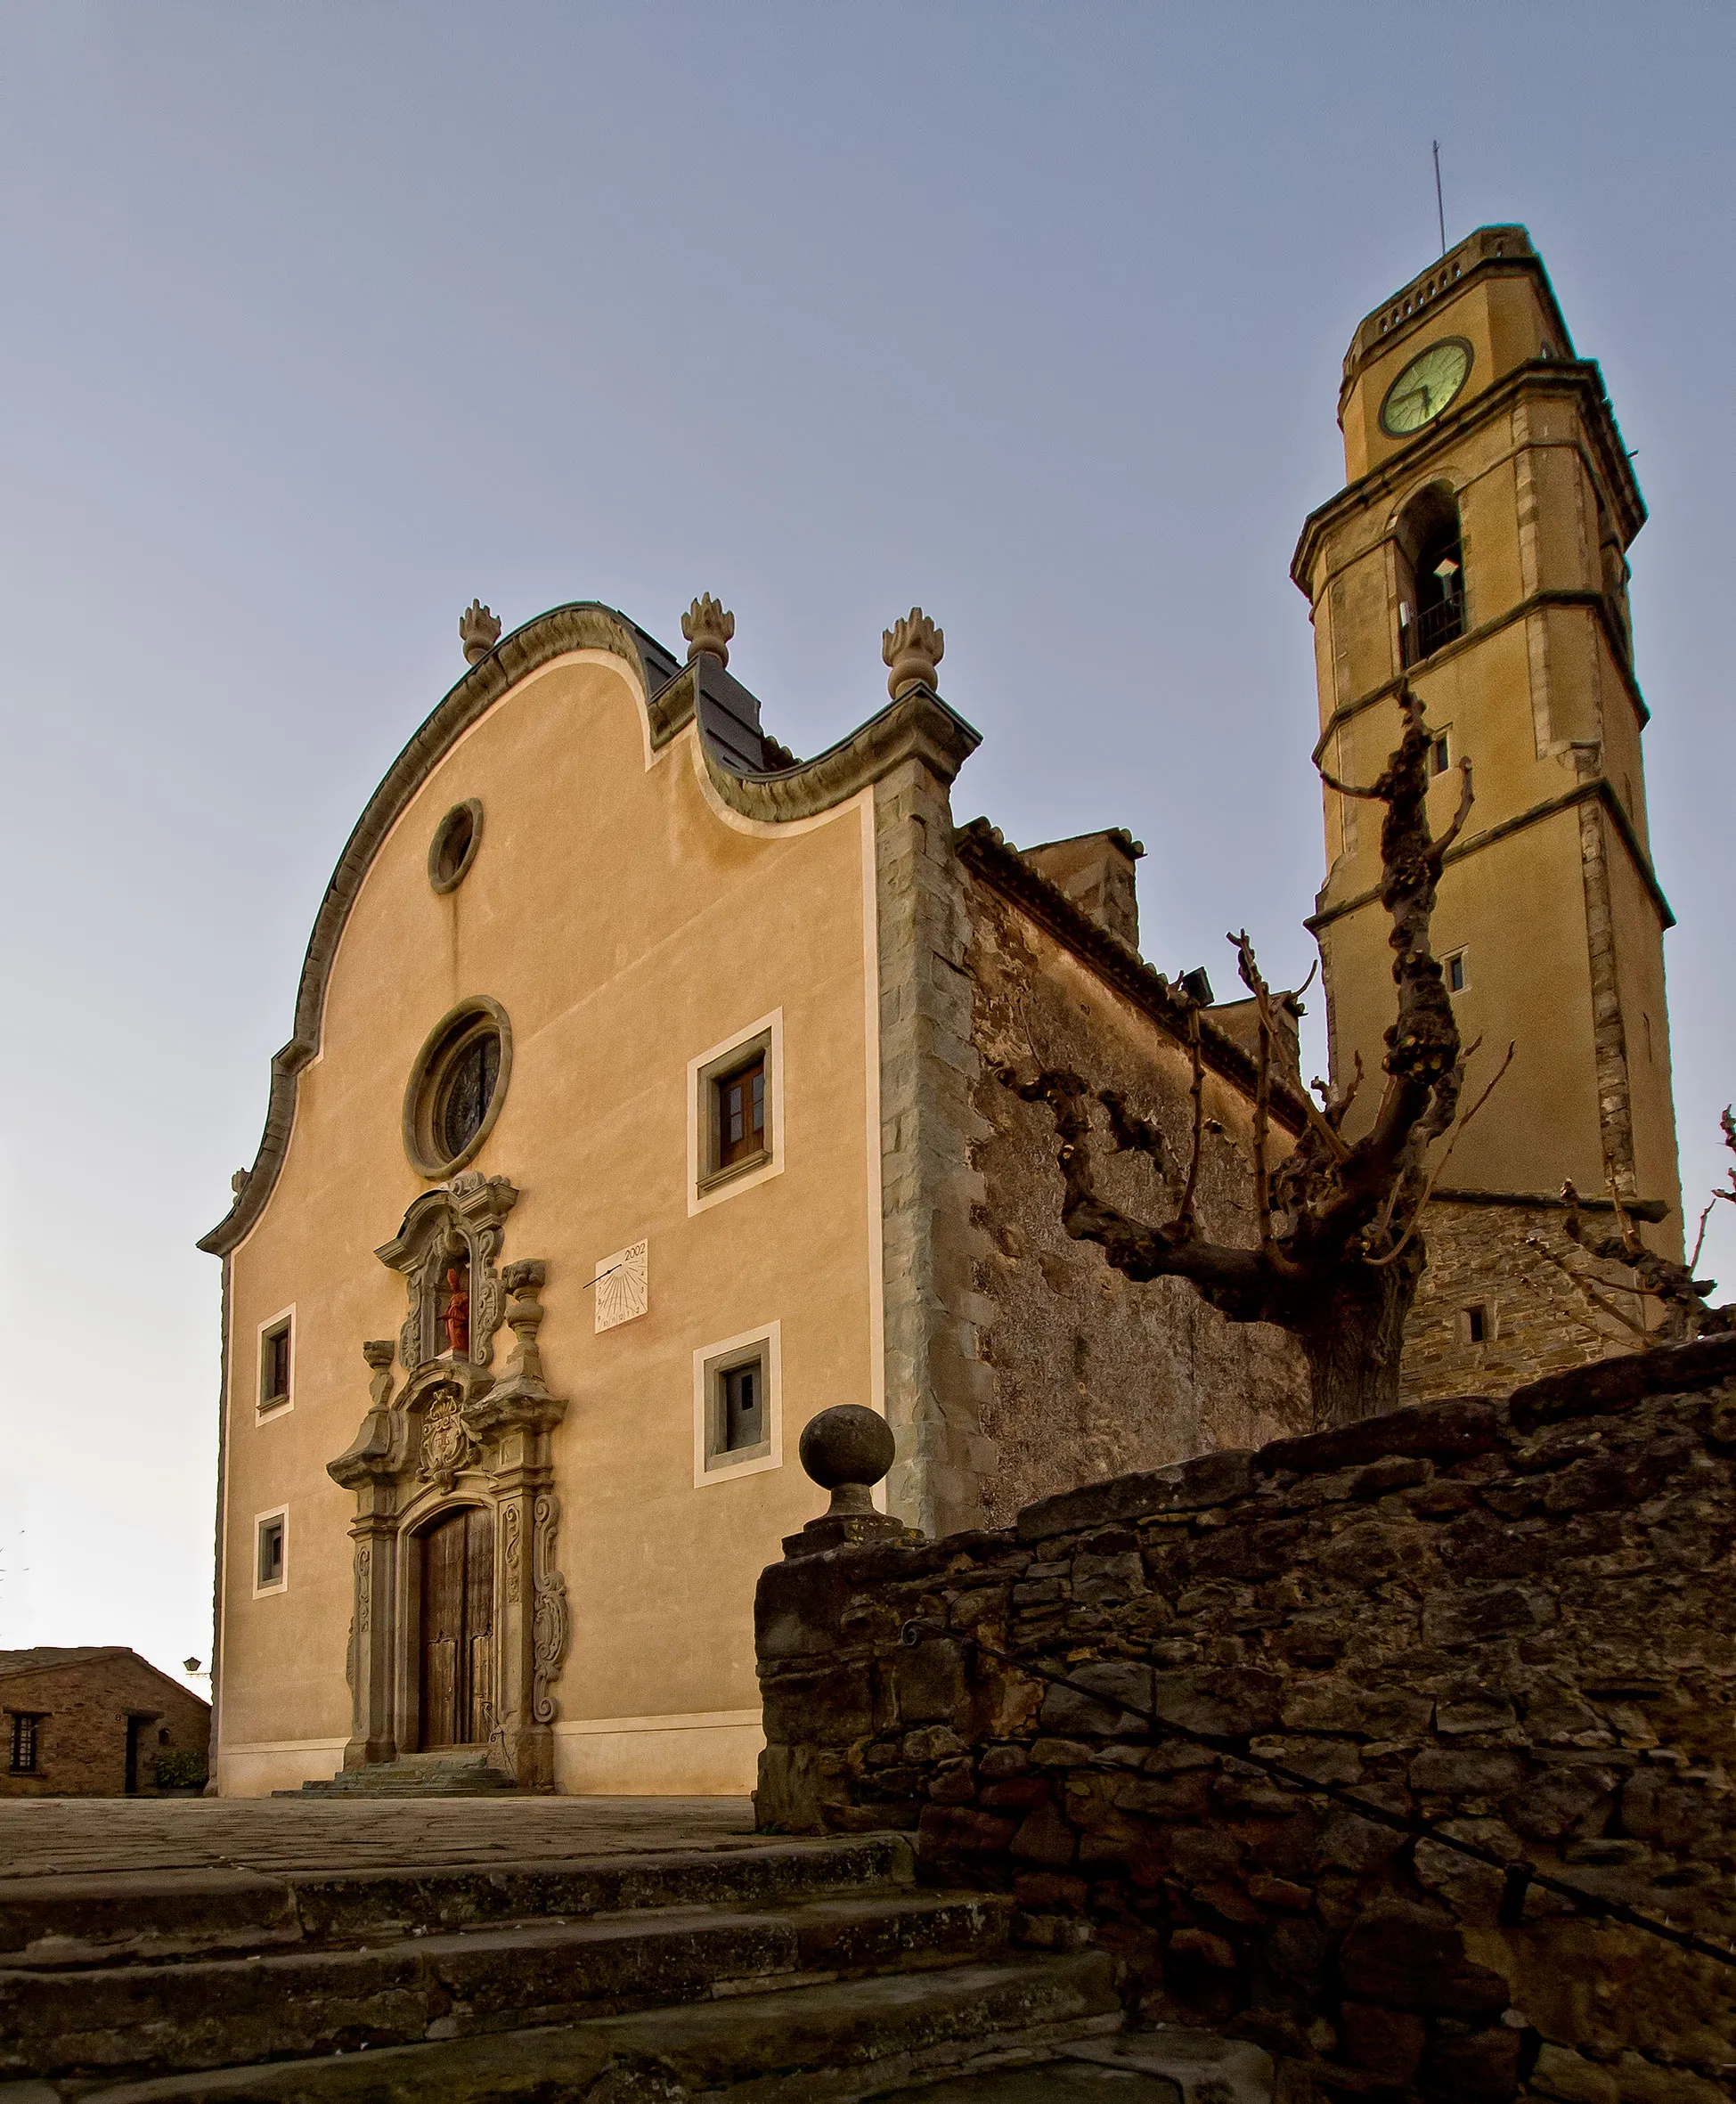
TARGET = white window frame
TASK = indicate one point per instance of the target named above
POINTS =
(264, 1412)
(706, 1187)
(1460, 957)
(711, 1463)
(278, 1512)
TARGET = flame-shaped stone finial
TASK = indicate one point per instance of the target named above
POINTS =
(708, 626)
(478, 630)
(913, 648)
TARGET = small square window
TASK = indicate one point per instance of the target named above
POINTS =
(25, 1743)
(1456, 973)
(737, 1429)
(270, 1570)
(741, 1401)
(276, 1361)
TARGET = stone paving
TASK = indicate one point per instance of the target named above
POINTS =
(58, 1837)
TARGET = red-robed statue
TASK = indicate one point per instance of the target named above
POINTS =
(457, 1316)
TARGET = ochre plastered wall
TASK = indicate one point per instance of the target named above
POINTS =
(1089, 1373)
(626, 923)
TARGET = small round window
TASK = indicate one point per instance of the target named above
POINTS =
(453, 847)
(457, 1087)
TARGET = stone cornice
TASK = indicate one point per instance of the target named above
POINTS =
(918, 724)
(981, 848)
(1413, 462)
(1595, 602)
(1550, 806)
(1652, 1209)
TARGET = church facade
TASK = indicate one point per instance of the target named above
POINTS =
(645, 1098)
(641, 1104)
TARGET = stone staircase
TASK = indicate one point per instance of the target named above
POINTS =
(466, 1775)
(774, 1972)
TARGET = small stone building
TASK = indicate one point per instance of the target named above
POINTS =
(97, 1721)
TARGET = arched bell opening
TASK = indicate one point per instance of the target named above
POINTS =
(1431, 594)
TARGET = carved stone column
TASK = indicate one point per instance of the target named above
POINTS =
(514, 1418)
(370, 1469)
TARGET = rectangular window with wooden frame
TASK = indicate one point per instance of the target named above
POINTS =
(739, 1115)
(277, 1361)
(735, 1110)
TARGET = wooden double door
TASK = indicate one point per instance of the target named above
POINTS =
(458, 1629)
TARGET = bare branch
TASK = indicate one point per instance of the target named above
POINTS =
(1459, 816)
(1237, 1280)
(1347, 788)
(1445, 1156)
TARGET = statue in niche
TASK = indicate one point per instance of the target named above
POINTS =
(457, 1317)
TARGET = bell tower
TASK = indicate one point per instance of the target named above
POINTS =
(1478, 549)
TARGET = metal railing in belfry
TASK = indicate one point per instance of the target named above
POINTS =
(1433, 626)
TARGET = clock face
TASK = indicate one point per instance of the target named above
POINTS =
(1425, 386)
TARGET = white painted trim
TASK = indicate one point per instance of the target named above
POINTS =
(871, 1089)
(695, 1720)
(699, 1072)
(288, 1746)
(710, 1359)
(276, 1512)
(261, 1415)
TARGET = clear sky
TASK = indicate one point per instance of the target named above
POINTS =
(319, 318)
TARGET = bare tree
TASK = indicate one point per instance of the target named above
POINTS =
(1339, 1253)
(1678, 1308)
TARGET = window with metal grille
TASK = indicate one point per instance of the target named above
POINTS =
(25, 1743)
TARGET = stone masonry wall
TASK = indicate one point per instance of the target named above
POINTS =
(1514, 1620)
(81, 1740)
(1092, 1374)
(1535, 1323)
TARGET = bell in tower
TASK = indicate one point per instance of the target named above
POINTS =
(1478, 551)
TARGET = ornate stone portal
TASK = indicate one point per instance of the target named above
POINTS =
(454, 1435)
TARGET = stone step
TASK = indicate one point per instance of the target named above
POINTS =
(416, 1775)
(160, 1917)
(212, 2012)
(832, 2043)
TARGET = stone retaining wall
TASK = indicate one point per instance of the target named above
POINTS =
(1513, 1619)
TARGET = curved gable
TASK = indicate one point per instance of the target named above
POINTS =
(670, 696)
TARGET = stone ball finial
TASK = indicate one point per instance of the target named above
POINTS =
(708, 626)
(913, 648)
(478, 630)
(846, 1450)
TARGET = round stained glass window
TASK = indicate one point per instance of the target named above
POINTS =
(456, 1087)
(472, 1076)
